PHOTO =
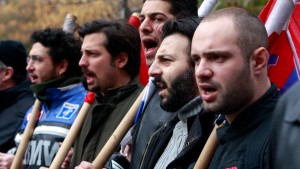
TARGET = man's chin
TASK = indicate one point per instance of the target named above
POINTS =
(93, 88)
(167, 106)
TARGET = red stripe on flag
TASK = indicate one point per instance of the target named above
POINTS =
(279, 46)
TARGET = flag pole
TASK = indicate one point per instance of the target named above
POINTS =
(30, 126)
(74, 130)
(206, 7)
(117, 136)
(208, 150)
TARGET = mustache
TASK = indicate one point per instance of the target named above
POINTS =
(159, 80)
(86, 71)
(31, 74)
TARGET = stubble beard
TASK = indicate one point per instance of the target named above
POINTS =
(237, 94)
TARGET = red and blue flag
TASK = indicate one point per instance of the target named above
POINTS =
(282, 21)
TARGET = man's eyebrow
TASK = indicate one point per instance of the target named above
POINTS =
(157, 13)
(214, 52)
(152, 14)
(88, 50)
(164, 55)
(34, 56)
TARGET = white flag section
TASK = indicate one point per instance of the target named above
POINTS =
(150, 88)
(282, 21)
(279, 16)
(206, 7)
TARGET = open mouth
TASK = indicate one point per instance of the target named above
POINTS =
(89, 76)
(149, 44)
(33, 78)
(208, 92)
(162, 87)
(150, 47)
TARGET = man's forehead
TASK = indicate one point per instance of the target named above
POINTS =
(38, 47)
(156, 6)
(172, 41)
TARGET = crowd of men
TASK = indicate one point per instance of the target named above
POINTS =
(203, 71)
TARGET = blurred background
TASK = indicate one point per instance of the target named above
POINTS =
(18, 18)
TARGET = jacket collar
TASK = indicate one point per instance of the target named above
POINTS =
(10, 95)
(190, 109)
(40, 89)
(115, 95)
(251, 117)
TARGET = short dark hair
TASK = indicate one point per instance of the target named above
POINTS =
(183, 8)
(184, 26)
(62, 45)
(251, 32)
(120, 37)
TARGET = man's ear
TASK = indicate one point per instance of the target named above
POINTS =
(62, 67)
(7, 73)
(121, 60)
(260, 58)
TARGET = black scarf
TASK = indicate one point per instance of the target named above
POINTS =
(40, 89)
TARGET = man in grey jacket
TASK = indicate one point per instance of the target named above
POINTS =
(285, 133)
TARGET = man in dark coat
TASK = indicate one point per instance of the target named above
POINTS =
(230, 52)
(179, 142)
(16, 96)
(110, 62)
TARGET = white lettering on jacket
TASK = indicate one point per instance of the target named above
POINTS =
(40, 153)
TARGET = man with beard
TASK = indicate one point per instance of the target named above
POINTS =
(153, 15)
(179, 142)
(229, 49)
(110, 62)
(53, 69)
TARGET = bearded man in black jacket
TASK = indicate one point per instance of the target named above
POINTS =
(178, 143)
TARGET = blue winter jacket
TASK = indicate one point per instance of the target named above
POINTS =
(57, 115)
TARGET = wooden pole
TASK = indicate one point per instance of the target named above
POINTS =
(70, 23)
(115, 139)
(74, 130)
(208, 150)
(18, 159)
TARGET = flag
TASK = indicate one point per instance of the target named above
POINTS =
(282, 21)
(143, 75)
(149, 91)
(206, 7)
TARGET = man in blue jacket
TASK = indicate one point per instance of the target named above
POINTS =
(56, 76)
